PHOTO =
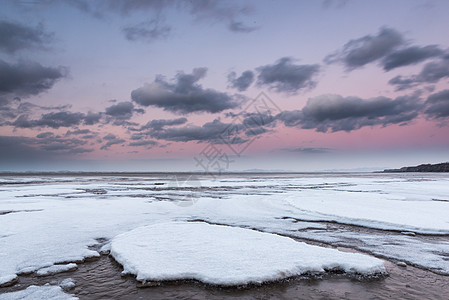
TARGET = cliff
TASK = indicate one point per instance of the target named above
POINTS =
(443, 167)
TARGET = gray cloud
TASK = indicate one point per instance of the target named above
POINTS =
(337, 113)
(111, 139)
(410, 56)
(45, 147)
(208, 132)
(284, 76)
(53, 120)
(432, 72)
(201, 10)
(160, 124)
(214, 132)
(220, 11)
(11, 108)
(27, 78)
(121, 112)
(47, 141)
(308, 150)
(359, 52)
(184, 96)
(236, 26)
(92, 118)
(78, 132)
(45, 135)
(143, 143)
(242, 82)
(147, 31)
(16, 148)
(15, 37)
(438, 105)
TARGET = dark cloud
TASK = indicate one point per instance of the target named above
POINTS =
(16, 148)
(49, 142)
(220, 11)
(27, 78)
(258, 120)
(184, 96)
(236, 26)
(45, 147)
(53, 120)
(438, 105)
(143, 143)
(121, 112)
(285, 76)
(147, 31)
(208, 132)
(337, 113)
(432, 72)
(160, 124)
(15, 37)
(291, 118)
(214, 132)
(255, 131)
(111, 139)
(45, 135)
(92, 118)
(12, 108)
(242, 82)
(410, 56)
(201, 10)
(359, 52)
(307, 150)
(78, 132)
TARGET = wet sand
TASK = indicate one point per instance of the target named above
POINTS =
(101, 279)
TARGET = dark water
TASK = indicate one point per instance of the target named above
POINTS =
(101, 279)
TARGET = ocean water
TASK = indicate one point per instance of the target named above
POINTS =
(48, 219)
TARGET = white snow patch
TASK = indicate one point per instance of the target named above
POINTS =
(46, 292)
(67, 284)
(6, 280)
(223, 255)
(56, 269)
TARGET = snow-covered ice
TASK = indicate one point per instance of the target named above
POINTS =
(8, 279)
(45, 292)
(224, 255)
(67, 284)
(56, 269)
(53, 220)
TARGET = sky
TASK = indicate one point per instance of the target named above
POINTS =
(112, 85)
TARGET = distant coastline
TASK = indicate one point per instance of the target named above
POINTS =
(442, 167)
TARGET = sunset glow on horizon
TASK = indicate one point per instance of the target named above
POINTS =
(289, 85)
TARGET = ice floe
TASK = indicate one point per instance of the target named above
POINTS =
(56, 269)
(224, 255)
(45, 292)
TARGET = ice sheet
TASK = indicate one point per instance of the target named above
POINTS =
(60, 220)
